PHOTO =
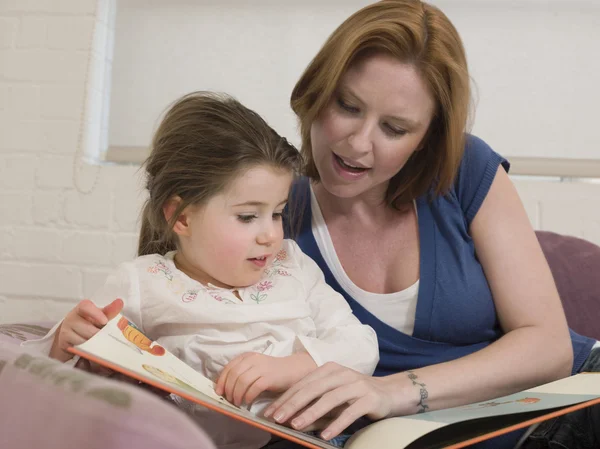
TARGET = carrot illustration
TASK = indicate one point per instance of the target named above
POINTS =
(132, 334)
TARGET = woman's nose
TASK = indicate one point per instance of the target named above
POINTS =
(360, 140)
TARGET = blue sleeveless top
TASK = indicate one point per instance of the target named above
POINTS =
(455, 313)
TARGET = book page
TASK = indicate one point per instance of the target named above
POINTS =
(400, 432)
(119, 345)
(392, 433)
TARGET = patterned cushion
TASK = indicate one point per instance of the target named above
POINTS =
(17, 333)
(45, 404)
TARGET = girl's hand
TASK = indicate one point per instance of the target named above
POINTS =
(81, 324)
(333, 387)
(250, 374)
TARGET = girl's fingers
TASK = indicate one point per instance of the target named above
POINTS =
(255, 390)
(113, 309)
(222, 380)
(242, 384)
(87, 310)
(232, 379)
(91, 367)
(83, 329)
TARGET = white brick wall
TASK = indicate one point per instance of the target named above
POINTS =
(59, 238)
(64, 226)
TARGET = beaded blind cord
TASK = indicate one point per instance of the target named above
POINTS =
(80, 166)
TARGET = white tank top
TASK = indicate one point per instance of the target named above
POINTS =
(397, 309)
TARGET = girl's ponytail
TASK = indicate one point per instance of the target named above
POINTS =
(153, 240)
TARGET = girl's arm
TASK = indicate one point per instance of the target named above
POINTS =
(340, 336)
(88, 316)
(535, 349)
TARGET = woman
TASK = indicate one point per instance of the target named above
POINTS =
(418, 225)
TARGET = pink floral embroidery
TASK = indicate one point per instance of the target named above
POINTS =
(281, 255)
(282, 272)
(216, 296)
(264, 285)
(160, 267)
(189, 296)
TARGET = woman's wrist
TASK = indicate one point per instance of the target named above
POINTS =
(408, 393)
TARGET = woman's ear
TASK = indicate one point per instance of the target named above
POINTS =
(180, 227)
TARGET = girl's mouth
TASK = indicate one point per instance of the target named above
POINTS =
(259, 261)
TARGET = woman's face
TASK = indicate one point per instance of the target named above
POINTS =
(375, 121)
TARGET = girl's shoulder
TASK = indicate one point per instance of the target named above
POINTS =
(150, 264)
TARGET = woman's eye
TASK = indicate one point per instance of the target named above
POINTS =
(347, 107)
(246, 218)
(392, 131)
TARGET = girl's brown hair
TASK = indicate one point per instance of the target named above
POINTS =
(415, 33)
(204, 142)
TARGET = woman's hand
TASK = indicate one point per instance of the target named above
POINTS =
(328, 388)
(250, 374)
(81, 324)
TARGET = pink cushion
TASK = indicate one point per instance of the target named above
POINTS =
(44, 404)
(575, 265)
(17, 333)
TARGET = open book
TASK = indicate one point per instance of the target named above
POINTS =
(123, 348)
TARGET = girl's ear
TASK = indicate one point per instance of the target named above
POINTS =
(181, 224)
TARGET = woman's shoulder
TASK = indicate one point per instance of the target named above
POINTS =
(477, 156)
(476, 173)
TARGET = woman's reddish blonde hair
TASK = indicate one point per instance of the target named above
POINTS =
(416, 33)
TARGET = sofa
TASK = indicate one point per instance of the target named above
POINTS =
(45, 404)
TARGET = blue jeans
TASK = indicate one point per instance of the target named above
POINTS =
(576, 430)
(339, 441)
(277, 443)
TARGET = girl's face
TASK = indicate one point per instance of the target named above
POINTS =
(375, 121)
(231, 239)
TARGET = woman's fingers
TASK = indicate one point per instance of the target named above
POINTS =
(306, 391)
(334, 398)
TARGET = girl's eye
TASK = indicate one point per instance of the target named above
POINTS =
(246, 218)
(392, 131)
(277, 216)
(347, 107)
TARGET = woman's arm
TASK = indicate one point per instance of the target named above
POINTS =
(536, 347)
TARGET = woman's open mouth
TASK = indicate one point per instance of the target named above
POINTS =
(346, 169)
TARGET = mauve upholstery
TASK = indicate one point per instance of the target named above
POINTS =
(575, 265)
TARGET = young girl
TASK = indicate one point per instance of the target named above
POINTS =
(215, 282)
